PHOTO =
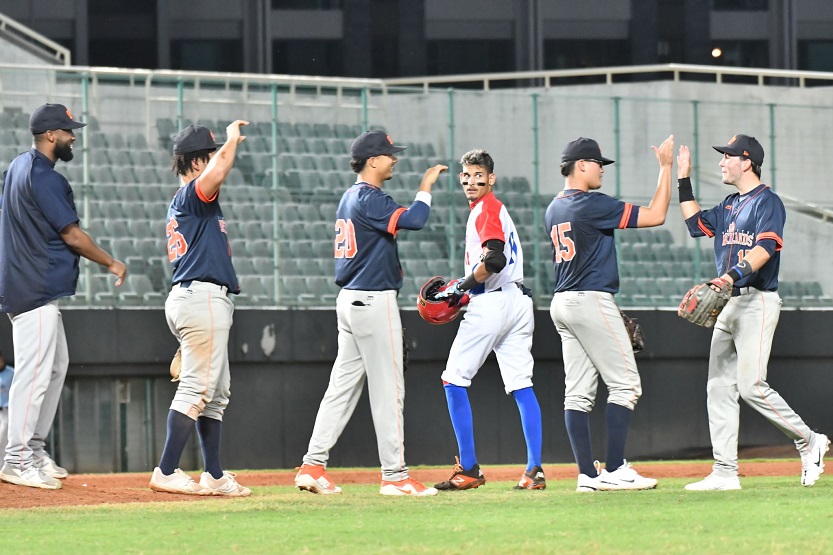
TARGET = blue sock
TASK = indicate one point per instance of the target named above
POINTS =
(459, 409)
(210, 430)
(179, 430)
(531, 423)
(618, 424)
(578, 428)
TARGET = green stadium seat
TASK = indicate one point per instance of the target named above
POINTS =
(343, 131)
(137, 142)
(323, 130)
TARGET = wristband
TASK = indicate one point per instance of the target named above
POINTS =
(468, 283)
(684, 187)
(740, 270)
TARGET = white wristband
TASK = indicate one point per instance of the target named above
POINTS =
(423, 196)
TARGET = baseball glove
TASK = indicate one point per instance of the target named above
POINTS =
(176, 365)
(704, 302)
(634, 332)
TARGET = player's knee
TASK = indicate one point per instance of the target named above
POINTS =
(750, 391)
(579, 403)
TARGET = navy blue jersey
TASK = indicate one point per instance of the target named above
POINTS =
(580, 225)
(365, 243)
(198, 246)
(37, 265)
(739, 223)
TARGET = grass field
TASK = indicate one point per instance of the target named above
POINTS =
(770, 515)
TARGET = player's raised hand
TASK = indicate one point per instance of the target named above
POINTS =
(430, 177)
(233, 131)
(118, 269)
(683, 162)
(665, 151)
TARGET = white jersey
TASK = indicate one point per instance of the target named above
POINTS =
(489, 220)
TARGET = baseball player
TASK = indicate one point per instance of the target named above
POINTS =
(40, 243)
(749, 227)
(368, 271)
(580, 222)
(6, 376)
(199, 310)
(499, 319)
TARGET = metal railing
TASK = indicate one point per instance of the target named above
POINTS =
(34, 41)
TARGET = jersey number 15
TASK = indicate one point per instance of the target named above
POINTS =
(563, 247)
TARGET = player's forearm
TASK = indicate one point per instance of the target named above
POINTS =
(81, 243)
(655, 213)
(416, 216)
(218, 169)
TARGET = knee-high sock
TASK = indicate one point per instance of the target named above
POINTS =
(210, 430)
(459, 409)
(618, 424)
(578, 428)
(179, 430)
(531, 422)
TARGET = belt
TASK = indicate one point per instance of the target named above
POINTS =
(519, 286)
(740, 291)
(188, 283)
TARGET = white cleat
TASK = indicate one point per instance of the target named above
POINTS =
(812, 462)
(625, 478)
(586, 484)
(713, 482)
(31, 477)
(48, 466)
(178, 482)
(226, 486)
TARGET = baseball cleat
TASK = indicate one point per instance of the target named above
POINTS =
(533, 479)
(31, 477)
(586, 484)
(461, 479)
(812, 462)
(49, 467)
(624, 478)
(226, 486)
(178, 482)
(713, 482)
(314, 478)
(408, 486)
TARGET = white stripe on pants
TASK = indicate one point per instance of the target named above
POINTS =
(41, 362)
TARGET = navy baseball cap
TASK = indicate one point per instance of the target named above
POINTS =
(193, 139)
(743, 145)
(50, 117)
(373, 143)
(583, 149)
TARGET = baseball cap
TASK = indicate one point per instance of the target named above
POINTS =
(193, 139)
(50, 117)
(583, 149)
(373, 143)
(743, 145)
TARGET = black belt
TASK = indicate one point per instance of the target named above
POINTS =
(738, 291)
(519, 286)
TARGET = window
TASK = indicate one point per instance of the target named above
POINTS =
(123, 52)
(743, 53)
(307, 57)
(307, 4)
(740, 5)
(575, 54)
(815, 55)
(448, 57)
(207, 55)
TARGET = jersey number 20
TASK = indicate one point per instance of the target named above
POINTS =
(345, 245)
(564, 247)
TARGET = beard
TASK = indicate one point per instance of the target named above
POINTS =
(63, 151)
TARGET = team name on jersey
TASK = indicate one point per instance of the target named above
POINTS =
(732, 236)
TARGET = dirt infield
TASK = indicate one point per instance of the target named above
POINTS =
(101, 489)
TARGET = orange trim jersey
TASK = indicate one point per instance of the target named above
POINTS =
(580, 225)
(740, 223)
(489, 220)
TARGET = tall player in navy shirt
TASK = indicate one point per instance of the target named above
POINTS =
(748, 230)
(40, 244)
(199, 310)
(369, 328)
(594, 341)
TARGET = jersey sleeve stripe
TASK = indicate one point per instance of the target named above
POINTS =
(201, 196)
(769, 235)
(394, 219)
(626, 215)
(703, 228)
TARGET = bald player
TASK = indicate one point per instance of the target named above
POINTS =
(580, 222)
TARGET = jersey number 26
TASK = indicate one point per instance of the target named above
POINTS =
(564, 247)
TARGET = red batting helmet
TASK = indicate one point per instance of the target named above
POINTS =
(438, 311)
